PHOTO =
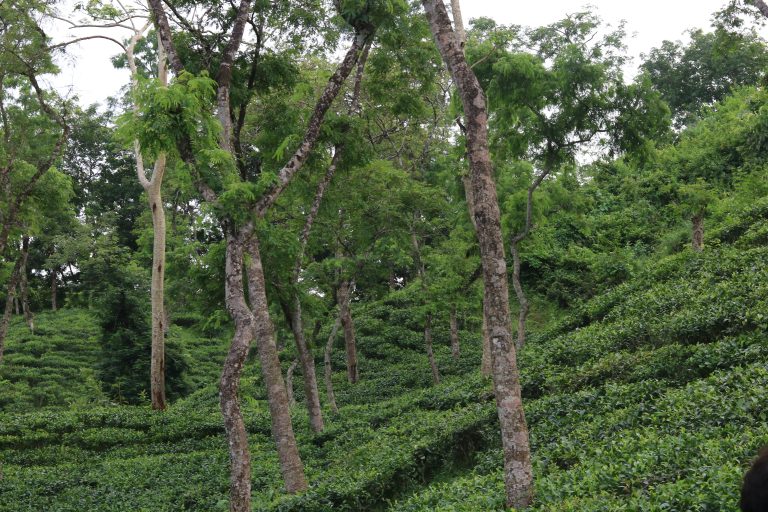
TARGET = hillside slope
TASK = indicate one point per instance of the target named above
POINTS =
(649, 397)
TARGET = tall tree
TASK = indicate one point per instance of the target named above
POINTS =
(506, 380)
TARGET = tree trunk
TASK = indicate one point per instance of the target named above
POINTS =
(430, 353)
(157, 369)
(289, 382)
(458, 22)
(455, 349)
(344, 295)
(237, 437)
(54, 289)
(521, 298)
(9, 299)
(428, 318)
(697, 238)
(485, 364)
(282, 427)
(514, 431)
(307, 360)
(29, 318)
(328, 367)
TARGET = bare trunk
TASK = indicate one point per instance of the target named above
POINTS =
(697, 239)
(485, 364)
(344, 296)
(307, 361)
(237, 437)
(157, 370)
(514, 431)
(430, 353)
(458, 22)
(282, 427)
(16, 306)
(54, 289)
(455, 349)
(428, 318)
(328, 368)
(289, 382)
(521, 298)
(29, 318)
(9, 299)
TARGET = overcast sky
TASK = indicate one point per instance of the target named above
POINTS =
(88, 73)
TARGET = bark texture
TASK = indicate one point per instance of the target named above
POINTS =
(697, 236)
(344, 296)
(282, 427)
(455, 348)
(485, 364)
(514, 431)
(761, 6)
(328, 367)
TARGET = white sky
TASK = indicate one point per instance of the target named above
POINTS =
(88, 72)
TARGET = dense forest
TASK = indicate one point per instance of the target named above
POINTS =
(358, 256)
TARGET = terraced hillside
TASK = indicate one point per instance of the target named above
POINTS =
(650, 397)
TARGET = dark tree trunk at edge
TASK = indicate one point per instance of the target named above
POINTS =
(13, 283)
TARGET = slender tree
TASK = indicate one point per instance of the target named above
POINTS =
(506, 382)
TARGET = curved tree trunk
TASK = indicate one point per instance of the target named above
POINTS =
(697, 237)
(344, 296)
(329, 368)
(455, 348)
(282, 426)
(518, 478)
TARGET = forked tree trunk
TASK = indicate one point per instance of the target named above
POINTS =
(521, 298)
(329, 368)
(455, 348)
(10, 297)
(430, 352)
(514, 431)
(289, 382)
(54, 289)
(344, 296)
(282, 427)
(697, 237)
(29, 318)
